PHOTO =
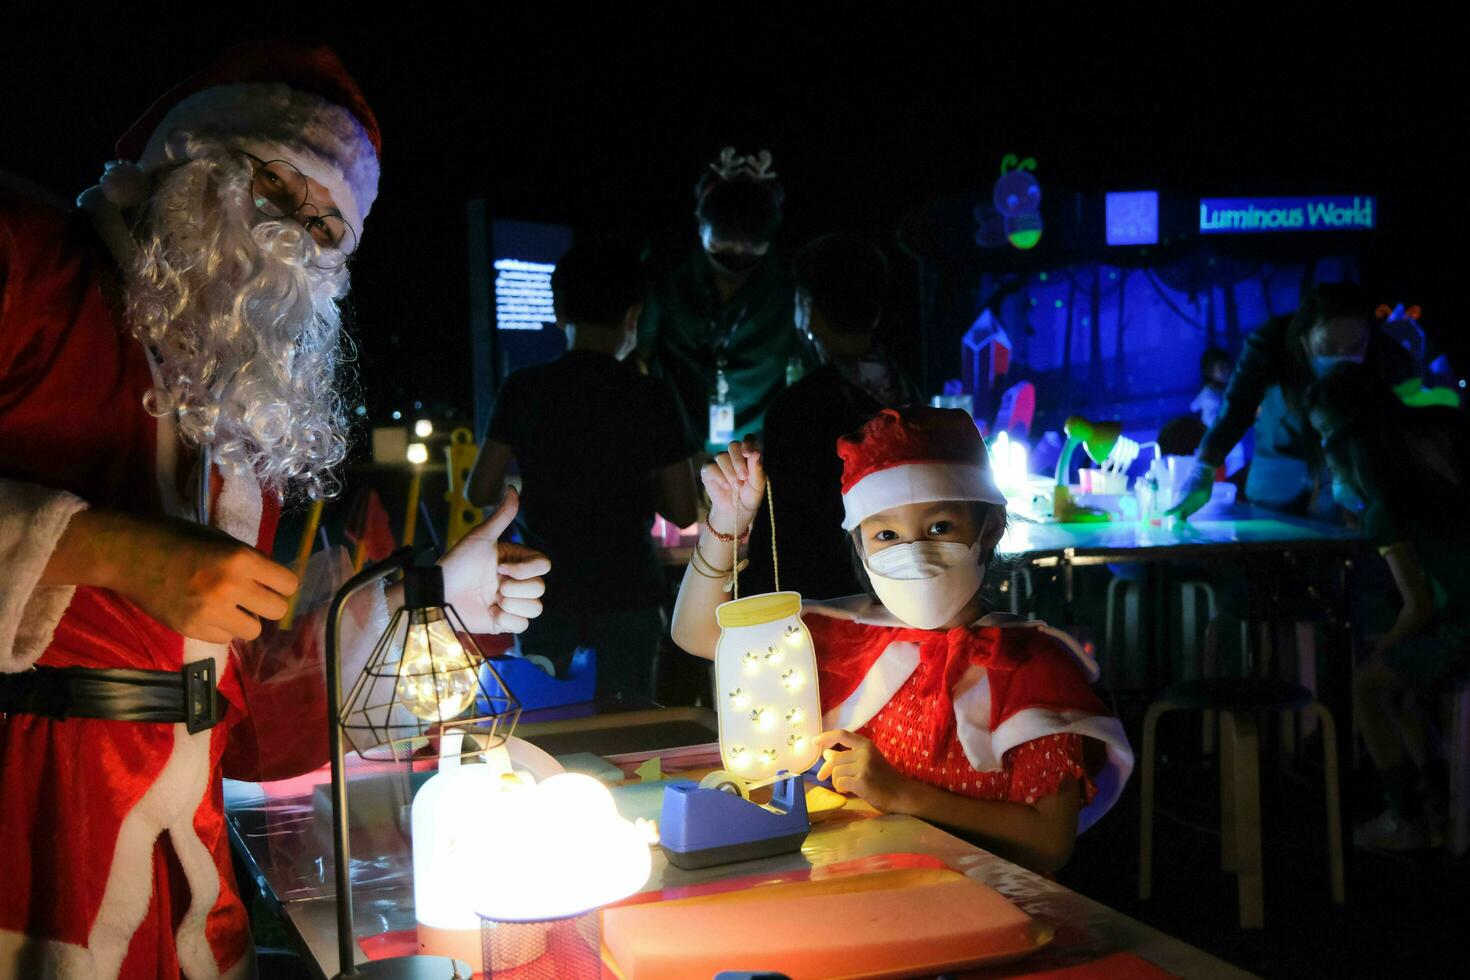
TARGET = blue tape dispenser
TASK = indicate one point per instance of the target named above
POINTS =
(715, 822)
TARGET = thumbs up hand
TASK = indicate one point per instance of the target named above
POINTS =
(496, 586)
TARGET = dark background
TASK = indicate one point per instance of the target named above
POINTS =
(603, 120)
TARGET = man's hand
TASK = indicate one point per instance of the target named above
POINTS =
(195, 580)
(1196, 491)
(860, 768)
(496, 586)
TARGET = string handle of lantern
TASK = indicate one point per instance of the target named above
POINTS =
(735, 540)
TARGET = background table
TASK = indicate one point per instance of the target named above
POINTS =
(1319, 556)
(284, 840)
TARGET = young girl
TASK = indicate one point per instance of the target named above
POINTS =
(934, 706)
(1405, 471)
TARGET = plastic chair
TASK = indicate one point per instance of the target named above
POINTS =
(1238, 700)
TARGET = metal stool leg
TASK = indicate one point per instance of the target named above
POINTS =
(1306, 658)
(1133, 620)
(1459, 759)
(1245, 747)
(1110, 652)
(1227, 792)
(1334, 811)
(1188, 630)
(1146, 794)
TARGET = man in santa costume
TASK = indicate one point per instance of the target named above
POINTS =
(169, 361)
(934, 705)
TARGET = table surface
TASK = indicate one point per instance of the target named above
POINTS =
(1223, 531)
(281, 832)
(1217, 532)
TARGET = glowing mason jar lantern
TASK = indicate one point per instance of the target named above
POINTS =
(762, 661)
(437, 679)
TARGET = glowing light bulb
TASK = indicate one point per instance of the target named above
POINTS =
(793, 635)
(792, 679)
(763, 717)
(418, 453)
(773, 655)
(739, 698)
(751, 661)
(739, 758)
(795, 716)
(768, 757)
(437, 680)
(1020, 466)
(423, 428)
(795, 742)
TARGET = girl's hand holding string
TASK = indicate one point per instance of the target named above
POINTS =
(735, 475)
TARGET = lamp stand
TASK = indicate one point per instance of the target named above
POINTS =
(398, 967)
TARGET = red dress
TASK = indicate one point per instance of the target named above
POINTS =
(999, 711)
(1028, 772)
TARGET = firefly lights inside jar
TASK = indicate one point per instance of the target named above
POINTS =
(766, 673)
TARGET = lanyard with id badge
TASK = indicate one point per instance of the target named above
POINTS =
(721, 408)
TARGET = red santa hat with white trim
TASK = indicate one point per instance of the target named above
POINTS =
(914, 455)
(279, 100)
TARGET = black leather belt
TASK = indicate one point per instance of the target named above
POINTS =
(116, 694)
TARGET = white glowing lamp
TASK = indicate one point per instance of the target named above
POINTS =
(423, 428)
(418, 453)
(455, 834)
(766, 673)
(1010, 459)
(562, 850)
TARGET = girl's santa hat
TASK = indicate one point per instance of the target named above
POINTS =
(914, 455)
(279, 100)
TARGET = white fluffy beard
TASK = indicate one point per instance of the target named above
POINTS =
(247, 330)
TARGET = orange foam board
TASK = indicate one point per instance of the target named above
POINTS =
(885, 924)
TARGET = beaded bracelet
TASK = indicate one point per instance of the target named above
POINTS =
(727, 538)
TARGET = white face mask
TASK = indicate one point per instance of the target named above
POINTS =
(925, 583)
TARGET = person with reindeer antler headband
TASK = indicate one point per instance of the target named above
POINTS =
(719, 327)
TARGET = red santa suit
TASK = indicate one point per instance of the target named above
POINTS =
(113, 849)
(999, 710)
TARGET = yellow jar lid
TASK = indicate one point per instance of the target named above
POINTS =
(757, 610)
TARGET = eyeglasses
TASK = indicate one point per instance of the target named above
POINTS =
(279, 190)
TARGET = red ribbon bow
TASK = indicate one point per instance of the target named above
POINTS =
(945, 656)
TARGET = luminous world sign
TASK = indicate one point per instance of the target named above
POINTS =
(1245, 215)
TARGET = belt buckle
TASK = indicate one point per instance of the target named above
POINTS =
(201, 700)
